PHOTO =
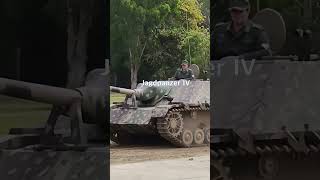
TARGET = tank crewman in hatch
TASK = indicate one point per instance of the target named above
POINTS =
(184, 72)
(240, 38)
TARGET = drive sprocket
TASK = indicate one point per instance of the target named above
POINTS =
(174, 123)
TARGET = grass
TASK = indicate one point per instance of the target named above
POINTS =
(116, 97)
(15, 113)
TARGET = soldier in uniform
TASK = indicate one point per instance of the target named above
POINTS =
(184, 72)
(240, 38)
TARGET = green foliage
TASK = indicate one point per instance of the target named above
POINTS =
(158, 34)
(205, 8)
(116, 97)
(199, 47)
(17, 113)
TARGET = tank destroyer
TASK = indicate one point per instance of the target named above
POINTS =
(176, 111)
(265, 119)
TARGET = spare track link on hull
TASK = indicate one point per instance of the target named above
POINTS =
(178, 135)
(220, 159)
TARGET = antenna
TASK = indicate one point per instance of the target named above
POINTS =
(188, 39)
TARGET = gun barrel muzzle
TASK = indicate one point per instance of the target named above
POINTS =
(122, 90)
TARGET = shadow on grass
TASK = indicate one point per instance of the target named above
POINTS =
(16, 113)
(116, 97)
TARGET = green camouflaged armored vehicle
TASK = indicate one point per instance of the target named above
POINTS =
(176, 111)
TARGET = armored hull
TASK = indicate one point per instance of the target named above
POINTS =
(267, 118)
(265, 115)
(177, 112)
(54, 165)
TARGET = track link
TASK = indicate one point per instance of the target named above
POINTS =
(221, 170)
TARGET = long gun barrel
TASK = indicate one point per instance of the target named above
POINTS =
(122, 90)
(37, 92)
(141, 94)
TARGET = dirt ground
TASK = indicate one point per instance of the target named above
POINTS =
(131, 154)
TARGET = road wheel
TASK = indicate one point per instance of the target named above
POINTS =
(187, 137)
(198, 136)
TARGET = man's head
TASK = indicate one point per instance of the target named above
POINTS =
(184, 65)
(239, 11)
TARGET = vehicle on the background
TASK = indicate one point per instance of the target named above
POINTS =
(265, 121)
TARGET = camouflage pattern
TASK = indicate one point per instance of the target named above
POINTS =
(138, 116)
(196, 93)
(192, 92)
(27, 164)
(131, 116)
(153, 94)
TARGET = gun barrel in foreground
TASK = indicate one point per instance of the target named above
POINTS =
(38, 92)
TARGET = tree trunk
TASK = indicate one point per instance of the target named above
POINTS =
(134, 77)
(134, 68)
(135, 62)
(307, 10)
(79, 22)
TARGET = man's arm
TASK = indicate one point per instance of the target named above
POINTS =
(176, 75)
(263, 48)
(213, 47)
(216, 39)
(190, 75)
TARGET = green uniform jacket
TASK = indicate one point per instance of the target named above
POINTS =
(251, 42)
(181, 74)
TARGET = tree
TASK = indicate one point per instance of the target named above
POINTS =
(80, 16)
(136, 20)
(205, 8)
(153, 34)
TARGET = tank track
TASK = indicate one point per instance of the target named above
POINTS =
(221, 156)
(176, 140)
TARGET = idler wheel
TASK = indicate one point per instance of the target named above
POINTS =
(187, 137)
(207, 136)
(199, 136)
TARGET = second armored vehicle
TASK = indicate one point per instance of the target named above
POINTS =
(266, 119)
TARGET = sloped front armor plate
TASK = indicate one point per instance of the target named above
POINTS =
(275, 94)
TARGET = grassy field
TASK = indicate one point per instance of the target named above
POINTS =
(15, 113)
(116, 97)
